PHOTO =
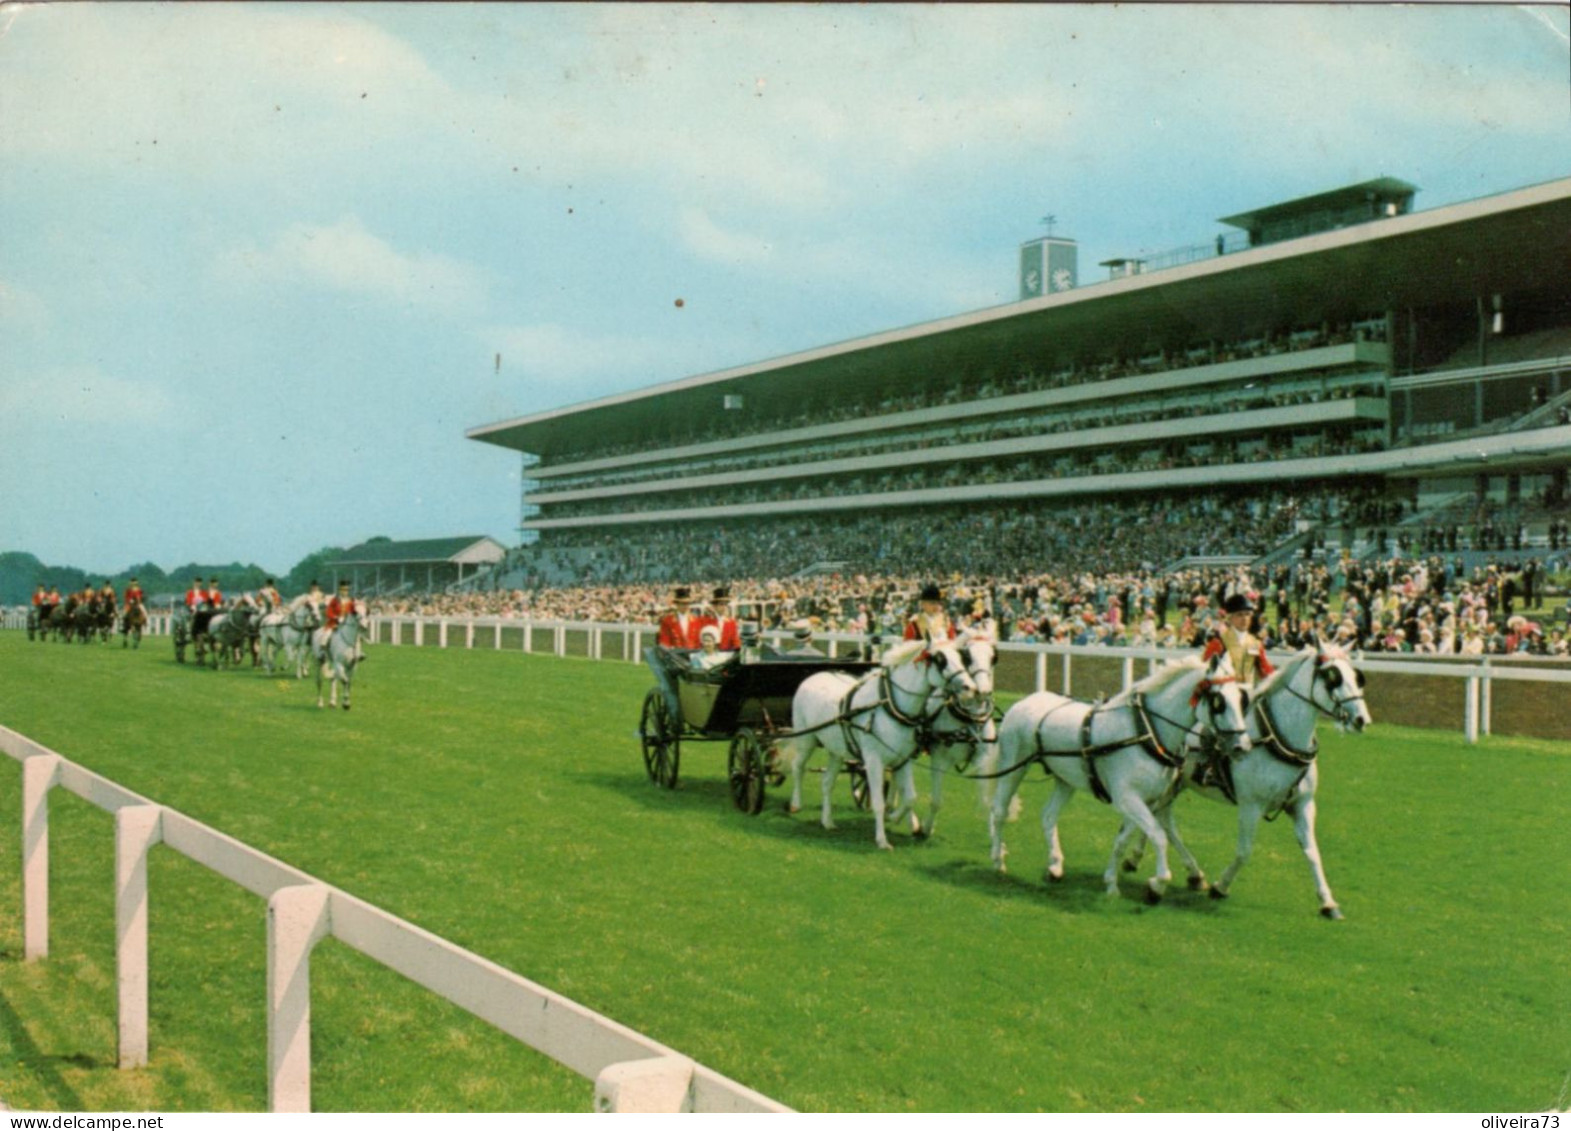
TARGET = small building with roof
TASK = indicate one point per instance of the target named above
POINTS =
(382, 566)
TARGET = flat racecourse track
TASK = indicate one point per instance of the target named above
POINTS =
(499, 800)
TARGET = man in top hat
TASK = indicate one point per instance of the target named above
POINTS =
(679, 627)
(133, 593)
(720, 617)
(930, 621)
(195, 595)
(271, 600)
(214, 597)
(1249, 662)
(1242, 646)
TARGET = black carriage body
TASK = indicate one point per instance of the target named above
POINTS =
(745, 704)
(719, 702)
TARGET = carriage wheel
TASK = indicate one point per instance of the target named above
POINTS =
(746, 766)
(662, 740)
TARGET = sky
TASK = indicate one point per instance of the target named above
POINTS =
(261, 265)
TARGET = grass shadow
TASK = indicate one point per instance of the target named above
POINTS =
(43, 1066)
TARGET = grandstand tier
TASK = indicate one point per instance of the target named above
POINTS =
(1356, 349)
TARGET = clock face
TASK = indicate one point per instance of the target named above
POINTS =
(1033, 281)
(1062, 279)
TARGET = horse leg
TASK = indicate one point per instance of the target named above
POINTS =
(1304, 828)
(999, 812)
(905, 790)
(1062, 792)
(349, 675)
(1167, 815)
(795, 751)
(831, 771)
(321, 670)
(1138, 816)
(874, 767)
(937, 801)
(1249, 813)
(1132, 861)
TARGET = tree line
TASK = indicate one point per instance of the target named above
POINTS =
(22, 572)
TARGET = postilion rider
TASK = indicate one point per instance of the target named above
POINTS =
(339, 606)
(930, 622)
(1249, 661)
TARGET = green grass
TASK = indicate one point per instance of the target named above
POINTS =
(499, 800)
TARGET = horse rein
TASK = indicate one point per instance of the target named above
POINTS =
(1341, 714)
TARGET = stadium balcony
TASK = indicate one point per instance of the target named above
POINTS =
(1371, 357)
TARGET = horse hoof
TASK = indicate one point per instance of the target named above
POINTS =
(1218, 893)
(1053, 877)
(1332, 912)
(1152, 896)
(1198, 883)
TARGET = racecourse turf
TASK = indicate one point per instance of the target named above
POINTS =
(499, 800)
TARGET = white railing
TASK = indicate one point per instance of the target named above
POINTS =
(475, 632)
(551, 635)
(631, 1072)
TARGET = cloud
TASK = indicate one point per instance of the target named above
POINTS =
(21, 310)
(346, 257)
(83, 396)
(708, 240)
(559, 354)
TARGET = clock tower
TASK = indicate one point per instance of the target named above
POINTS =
(1048, 265)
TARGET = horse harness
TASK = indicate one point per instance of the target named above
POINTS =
(920, 725)
(1145, 737)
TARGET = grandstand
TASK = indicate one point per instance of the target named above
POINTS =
(1343, 361)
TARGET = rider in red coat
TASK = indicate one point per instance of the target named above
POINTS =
(133, 592)
(679, 628)
(931, 620)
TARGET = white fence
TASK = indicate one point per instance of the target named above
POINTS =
(552, 636)
(631, 1071)
(486, 632)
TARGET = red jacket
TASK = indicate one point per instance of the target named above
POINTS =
(133, 593)
(337, 610)
(194, 596)
(674, 634)
(730, 633)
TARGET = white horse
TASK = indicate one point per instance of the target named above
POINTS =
(875, 720)
(290, 632)
(337, 651)
(963, 729)
(1279, 774)
(1128, 751)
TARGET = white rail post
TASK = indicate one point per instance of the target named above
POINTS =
(469, 635)
(419, 633)
(1486, 695)
(561, 640)
(398, 632)
(38, 775)
(1129, 672)
(659, 1084)
(498, 627)
(1041, 671)
(1471, 712)
(441, 633)
(297, 919)
(529, 631)
(1068, 683)
(137, 829)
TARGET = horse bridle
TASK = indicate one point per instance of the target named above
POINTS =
(1325, 670)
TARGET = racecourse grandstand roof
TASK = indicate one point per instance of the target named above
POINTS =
(1415, 260)
(472, 549)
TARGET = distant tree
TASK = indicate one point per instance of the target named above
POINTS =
(312, 567)
(21, 573)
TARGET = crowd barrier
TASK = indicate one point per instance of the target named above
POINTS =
(1515, 695)
(630, 1071)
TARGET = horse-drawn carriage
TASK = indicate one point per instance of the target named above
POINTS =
(744, 704)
